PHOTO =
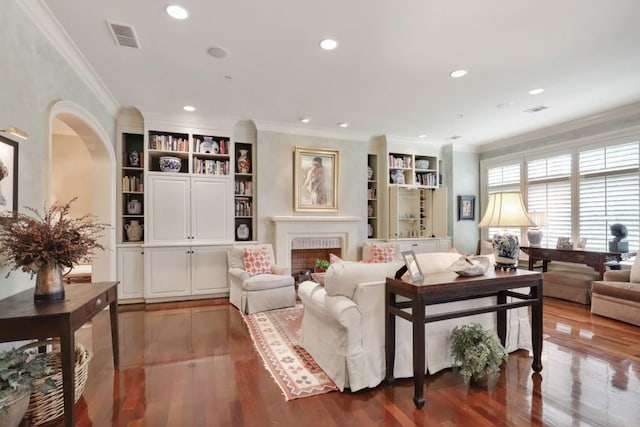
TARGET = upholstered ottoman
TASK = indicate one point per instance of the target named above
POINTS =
(617, 300)
(572, 283)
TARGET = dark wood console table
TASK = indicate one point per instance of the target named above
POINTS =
(21, 318)
(448, 287)
(594, 259)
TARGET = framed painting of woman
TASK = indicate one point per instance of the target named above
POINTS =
(315, 177)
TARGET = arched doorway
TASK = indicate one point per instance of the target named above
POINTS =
(101, 155)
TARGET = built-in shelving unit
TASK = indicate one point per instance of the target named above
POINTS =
(372, 196)
(413, 169)
(132, 187)
(244, 192)
(210, 155)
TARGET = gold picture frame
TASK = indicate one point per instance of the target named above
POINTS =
(315, 180)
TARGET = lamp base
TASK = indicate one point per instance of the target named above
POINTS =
(534, 235)
(506, 249)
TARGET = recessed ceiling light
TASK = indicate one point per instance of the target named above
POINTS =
(328, 44)
(537, 91)
(305, 120)
(343, 124)
(189, 108)
(218, 52)
(177, 12)
(458, 73)
(424, 135)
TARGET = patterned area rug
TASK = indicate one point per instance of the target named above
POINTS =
(276, 335)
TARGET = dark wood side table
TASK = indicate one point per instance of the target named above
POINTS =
(448, 287)
(595, 259)
(21, 318)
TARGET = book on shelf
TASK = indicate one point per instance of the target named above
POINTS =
(428, 179)
(400, 162)
(168, 142)
(210, 166)
(131, 184)
(244, 206)
(243, 188)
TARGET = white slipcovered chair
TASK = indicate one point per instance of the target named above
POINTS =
(256, 283)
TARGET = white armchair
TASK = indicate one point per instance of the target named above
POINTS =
(256, 283)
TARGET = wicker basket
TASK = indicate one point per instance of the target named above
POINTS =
(45, 407)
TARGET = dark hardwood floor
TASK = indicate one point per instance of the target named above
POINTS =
(195, 365)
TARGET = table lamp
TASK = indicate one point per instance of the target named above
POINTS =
(534, 234)
(505, 209)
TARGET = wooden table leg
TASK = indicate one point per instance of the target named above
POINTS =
(417, 314)
(501, 317)
(68, 372)
(115, 341)
(389, 336)
(536, 328)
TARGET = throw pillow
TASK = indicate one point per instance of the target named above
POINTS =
(333, 258)
(634, 275)
(256, 260)
(382, 253)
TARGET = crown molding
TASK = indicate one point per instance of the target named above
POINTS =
(47, 23)
(346, 134)
(600, 118)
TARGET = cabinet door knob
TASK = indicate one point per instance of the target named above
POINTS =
(98, 302)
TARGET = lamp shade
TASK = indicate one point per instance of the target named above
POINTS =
(505, 210)
(539, 218)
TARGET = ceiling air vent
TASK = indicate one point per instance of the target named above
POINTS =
(124, 35)
(536, 109)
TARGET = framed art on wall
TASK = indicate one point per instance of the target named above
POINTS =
(8, 175)
(315, 180)
(466, 208)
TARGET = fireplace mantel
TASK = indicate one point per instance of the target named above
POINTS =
(287, 228)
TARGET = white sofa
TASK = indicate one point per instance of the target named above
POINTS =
(343, 324)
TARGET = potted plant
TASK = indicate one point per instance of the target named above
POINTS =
(321, 265)
(18, 370)
(478, 352)
(43, 245)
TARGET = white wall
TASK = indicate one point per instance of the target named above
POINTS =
(34, 76)
(275, 178)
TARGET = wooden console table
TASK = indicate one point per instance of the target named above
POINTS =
(448, 287)
(21, 318)
(594, 259)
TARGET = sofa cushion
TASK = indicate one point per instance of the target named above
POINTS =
(343, 277)
(635, 269)
(263, 282)
(626, 291)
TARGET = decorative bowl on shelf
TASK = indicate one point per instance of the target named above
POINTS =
(422, 164)
(170, 164)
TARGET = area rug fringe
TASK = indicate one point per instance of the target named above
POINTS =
(275, 335)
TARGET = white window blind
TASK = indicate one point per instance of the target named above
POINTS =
(610, 193)
(503, 178)
(549, 191)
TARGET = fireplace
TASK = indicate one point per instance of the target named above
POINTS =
(325, 234)
(305, 252)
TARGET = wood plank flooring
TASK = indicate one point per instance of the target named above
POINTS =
(194, 365)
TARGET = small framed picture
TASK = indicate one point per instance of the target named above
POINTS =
(413, 268)
(466, 208)
(8, 175)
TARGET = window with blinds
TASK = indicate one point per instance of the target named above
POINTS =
(549, 191)
(610, 193)
(503, 178)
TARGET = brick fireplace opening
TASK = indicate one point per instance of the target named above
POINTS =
(306, 250)
(304, 260)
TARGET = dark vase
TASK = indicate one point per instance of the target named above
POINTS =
(49, 284)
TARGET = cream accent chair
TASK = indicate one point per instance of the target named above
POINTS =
(262, 292)
(343, 324)
(618, 295)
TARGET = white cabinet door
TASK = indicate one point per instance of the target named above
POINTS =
(168, 218)
(209, 270)
(167, 272)
(130, 273)
(210, 214)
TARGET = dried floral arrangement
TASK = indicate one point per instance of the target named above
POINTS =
(30, 242)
